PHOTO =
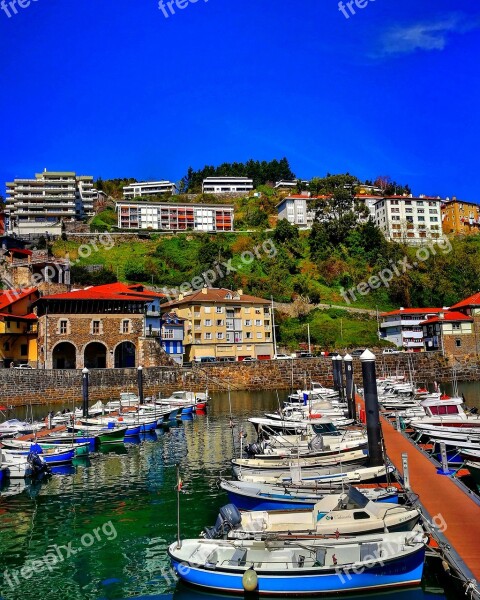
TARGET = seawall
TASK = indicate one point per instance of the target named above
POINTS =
(19, 387)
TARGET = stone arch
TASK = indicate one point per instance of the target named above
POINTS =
(125, 354)
(95, 355)
(64, 356)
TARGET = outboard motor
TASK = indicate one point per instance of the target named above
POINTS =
(316, 444)
(38, 464)
(255, 448)
(229, 518)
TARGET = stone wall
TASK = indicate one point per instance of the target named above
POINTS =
(65, 386)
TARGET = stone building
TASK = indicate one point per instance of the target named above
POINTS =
(449, 332)
(98, 327)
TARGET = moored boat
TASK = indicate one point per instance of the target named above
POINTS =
(288, 568)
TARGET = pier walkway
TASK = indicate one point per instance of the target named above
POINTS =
(440, 496)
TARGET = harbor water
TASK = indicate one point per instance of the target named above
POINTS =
(101, 529)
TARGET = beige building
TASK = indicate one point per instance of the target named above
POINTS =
(224, 325)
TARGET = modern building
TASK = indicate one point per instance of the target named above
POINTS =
(40, 205)
(166, 216)
(226, 185)
(295, 209)
(450, 332)
(404, 328)
(224, 324)
(149, 188)
(409, 220)
(18, 327)
(460, 218)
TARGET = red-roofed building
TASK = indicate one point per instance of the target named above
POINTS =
(222, 324)
(451, 332)
(97, 327)
(403, 327)
(18, 327)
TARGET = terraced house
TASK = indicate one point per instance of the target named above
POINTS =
(224, 325)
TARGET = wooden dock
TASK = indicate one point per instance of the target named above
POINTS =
(440, 496)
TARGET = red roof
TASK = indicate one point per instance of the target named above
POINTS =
(473, 300)
(449, 317)
(94, 294)
(8, 297)
(21, 251)
(134, 288)
(413, 311)
(29, 317)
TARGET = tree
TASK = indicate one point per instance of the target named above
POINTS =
(285, 231)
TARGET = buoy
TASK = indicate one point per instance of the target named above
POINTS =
(250, 580)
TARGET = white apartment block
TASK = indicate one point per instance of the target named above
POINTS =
(295, 209)
(168, 216)
(226, 185)
(409, 220)
(149, 188)
(40, 205)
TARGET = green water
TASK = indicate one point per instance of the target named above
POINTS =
(116, 513)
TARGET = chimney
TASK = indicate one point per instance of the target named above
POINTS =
(205, 290)
(240, 292)
(441, 316)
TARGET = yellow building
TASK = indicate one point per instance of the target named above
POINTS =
(224, 325)
(460, 217)
(18, 328)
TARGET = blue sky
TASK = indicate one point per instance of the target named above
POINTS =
(114, 88)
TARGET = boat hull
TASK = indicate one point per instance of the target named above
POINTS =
(393, 573)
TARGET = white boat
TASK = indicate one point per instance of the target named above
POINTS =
(289, 568)
(323, 478)
(294, 427)
(350, 513)
(15, 427)
(446, 412)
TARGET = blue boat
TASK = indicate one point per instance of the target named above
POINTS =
(250, 496)
(51, 456)
(133, 430)
(285, 568)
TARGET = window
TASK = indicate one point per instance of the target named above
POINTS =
(419, 202)
(220, 322)
(259, 335)
(394, 218)
(409, 210)
(247, 310)
(220, 335)
(248, 323)
(167, 334)
(258, 323)
(126, 326)
(421, 218)
(95, 327)
(395, 210)
(432, 211)
(433, 219)
(421, 211)
(208, 322)
(63, 326)
(458, 343)
(208, 336)
(219, 309)
(24, 349)
(207, 309)
(456, 326)
(248, 335)
(258, 311)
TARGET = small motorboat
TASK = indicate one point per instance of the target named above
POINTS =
(291, 568)
(105, 435)
(52, 456)
(334, 515)
(14, 427)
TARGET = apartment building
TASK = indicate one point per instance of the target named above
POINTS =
(149, 188)
(460, 218)
(409, 220)
(404, 327)
(36, 206)
(226, 185)
(224, 324)
(166, 216)
(295, 209)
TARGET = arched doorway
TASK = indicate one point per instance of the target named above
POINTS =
(64, 356)
(95, 356)
(125, 355)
